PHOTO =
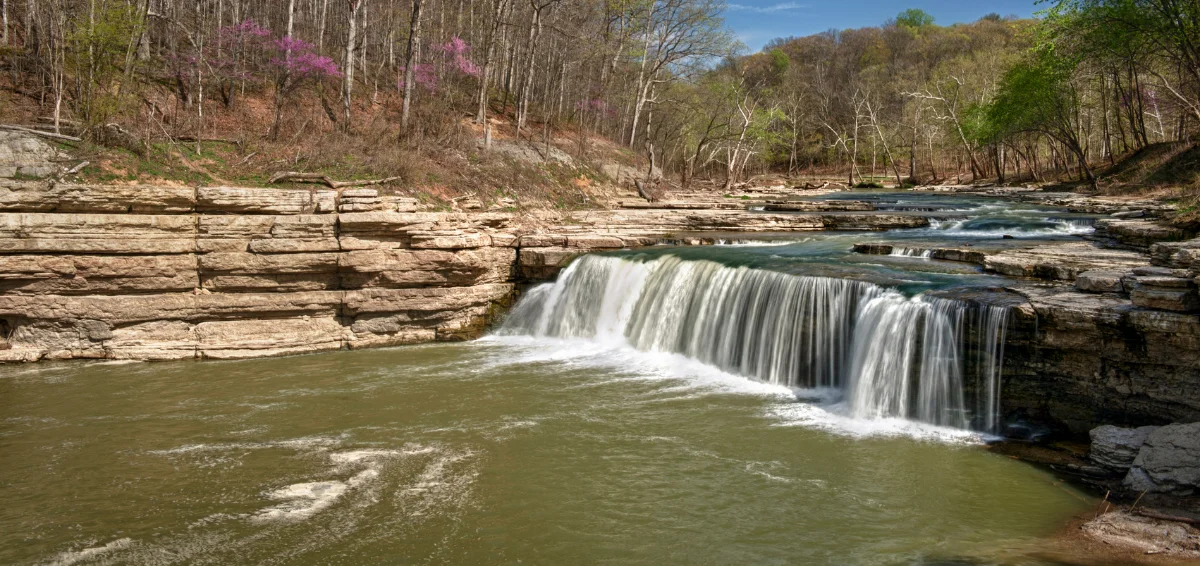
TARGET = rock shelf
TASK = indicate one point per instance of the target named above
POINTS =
(164, 272)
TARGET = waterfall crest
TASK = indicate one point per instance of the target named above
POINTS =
(892, 356)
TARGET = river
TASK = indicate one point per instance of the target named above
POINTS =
(552, 442)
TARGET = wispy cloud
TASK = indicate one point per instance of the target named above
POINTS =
(781, 7)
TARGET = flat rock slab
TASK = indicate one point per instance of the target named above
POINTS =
(39, 196)
(1139, 233)
(1063, 262)
(1101, 281)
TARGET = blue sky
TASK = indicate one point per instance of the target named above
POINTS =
(759, 21)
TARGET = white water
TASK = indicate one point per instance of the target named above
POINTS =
(964, 229)
(891, 356)
(911, 252)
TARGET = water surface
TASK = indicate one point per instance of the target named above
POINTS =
(496, 452)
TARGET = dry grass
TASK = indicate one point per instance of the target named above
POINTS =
(441, 159)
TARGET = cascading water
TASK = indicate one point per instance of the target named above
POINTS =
(892, 356)
(911, 252)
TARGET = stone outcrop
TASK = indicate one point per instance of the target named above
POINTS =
(1116, 448)
(1101, 281)
(1168, 462)
(1138, 234)
(22, 155)
(1062, 262)
(1054, 262)
(1076, 360)
(167, 272)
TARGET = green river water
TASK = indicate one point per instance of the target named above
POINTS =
(508, 451)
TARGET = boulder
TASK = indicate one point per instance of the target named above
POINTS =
(27, 155)
(1100, 281)
(1185, 300)
(1116, 448)
(1179, 255)
(1169, 461)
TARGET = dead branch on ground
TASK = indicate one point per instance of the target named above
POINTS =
(320, 179)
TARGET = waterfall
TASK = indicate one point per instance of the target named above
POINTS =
(911, 252)
(892, 356)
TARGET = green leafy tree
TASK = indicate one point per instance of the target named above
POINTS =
(914, 19)
(1040, 94)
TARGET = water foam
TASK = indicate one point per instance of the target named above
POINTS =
(700, 319)
(69, 558)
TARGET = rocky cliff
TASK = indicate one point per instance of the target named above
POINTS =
(162, 273)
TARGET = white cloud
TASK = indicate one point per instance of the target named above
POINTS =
(781, 7)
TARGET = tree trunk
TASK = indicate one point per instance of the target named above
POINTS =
(348, 77)
(282, 83)
(410, 64)
(535, 29)
(488, 63)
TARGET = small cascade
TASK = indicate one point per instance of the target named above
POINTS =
(892, 356)
(992, 331)
(911, 252)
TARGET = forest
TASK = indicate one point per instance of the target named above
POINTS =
(910, 101)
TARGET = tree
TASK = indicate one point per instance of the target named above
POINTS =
(1041, 94)
(410, 63)
(914, 19)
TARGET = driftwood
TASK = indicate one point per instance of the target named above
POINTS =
(61, 121)
(643, 190)
(1165, 517)
(319, 179)
(76, 169)
(51, 135)
(194, 139)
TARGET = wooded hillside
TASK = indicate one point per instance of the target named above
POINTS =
(1088, 82)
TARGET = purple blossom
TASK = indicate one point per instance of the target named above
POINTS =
(298, 57)
(457, 49)
(424, 75)
(248, 29)
(456, 46)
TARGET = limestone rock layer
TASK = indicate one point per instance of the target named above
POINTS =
(169, 272)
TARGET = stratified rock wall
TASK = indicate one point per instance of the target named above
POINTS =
(1078, 360)
(145, 272)
(159, 273)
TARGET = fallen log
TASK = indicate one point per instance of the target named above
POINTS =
(1165, 517)
(50, 135)
(319, 179)
(194, 139)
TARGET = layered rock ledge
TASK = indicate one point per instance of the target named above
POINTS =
(160, 272)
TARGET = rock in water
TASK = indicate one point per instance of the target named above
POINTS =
(1116, 448)
(1169, 461)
